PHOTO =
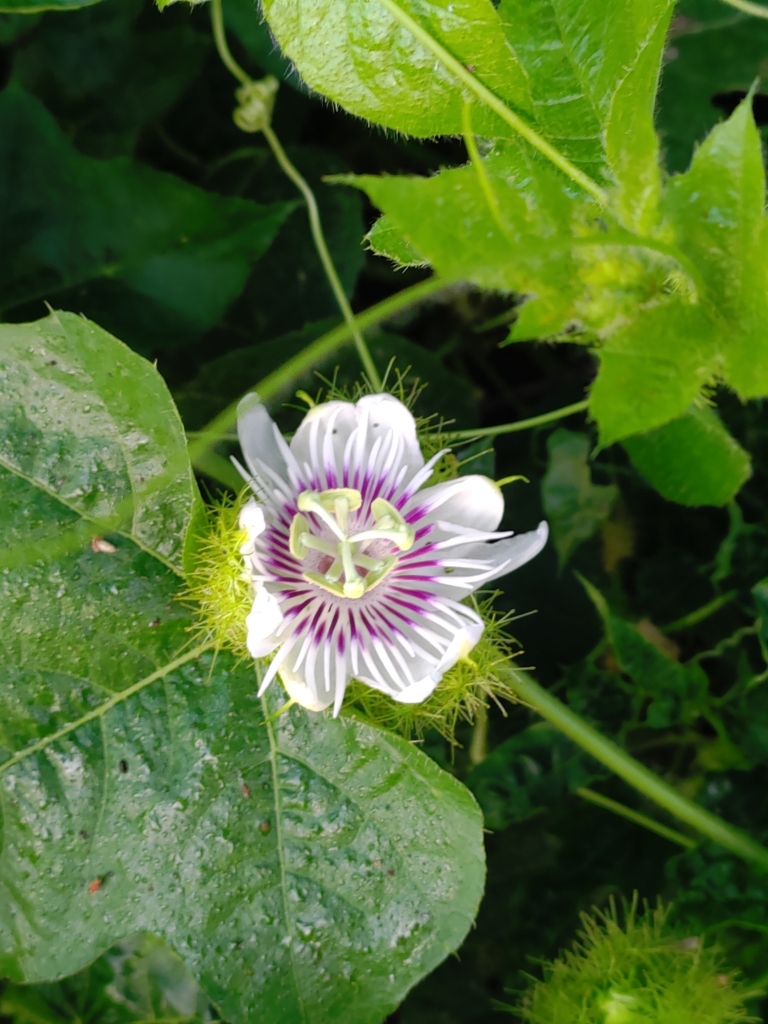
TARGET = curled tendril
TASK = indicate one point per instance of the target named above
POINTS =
(255, 102)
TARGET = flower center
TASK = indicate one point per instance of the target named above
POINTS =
(352, 571)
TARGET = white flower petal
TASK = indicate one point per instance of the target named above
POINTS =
(386, 415)
(298, 690)
(459, 647)
(472, 501)
(321, 438)
(502, 557)
(252, 521)
(256, 432)
(262, 623)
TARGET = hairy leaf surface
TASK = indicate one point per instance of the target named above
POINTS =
(357, 54)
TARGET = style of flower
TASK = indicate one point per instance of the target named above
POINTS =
(358, 568)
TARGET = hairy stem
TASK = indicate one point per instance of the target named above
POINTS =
(315, 224)
(637, 775)
(498, 106)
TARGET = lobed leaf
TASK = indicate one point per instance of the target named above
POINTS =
(593, 71)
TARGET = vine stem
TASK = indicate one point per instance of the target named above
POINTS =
(637, 775)
(639, 819)
(498, 106)
(749, 8)
(315, 224)
(281, 378)
(512, 428)
(325, 257)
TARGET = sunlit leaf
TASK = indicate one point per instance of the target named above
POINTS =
(357, 54)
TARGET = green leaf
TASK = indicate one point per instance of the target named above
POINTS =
(712, 49)
(104, 79)
(306, 869)
(13, 26)
(154, 256)
(528, 773)
(357, 54)
(692, 460)
(575, 507)
(717, 208)
(513, 224)
(666, 692)
(385, 240)
(87, 420)
(652, 369)
(593, 71)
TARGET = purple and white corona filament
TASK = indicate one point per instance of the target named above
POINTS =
(359, 569)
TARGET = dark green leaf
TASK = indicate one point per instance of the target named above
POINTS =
(575, 507)
(674, 693)
(105, 80)
(692, 460)
(157, 256)
(357, 54)
(529, 773)
(35, 6)
(139, 980)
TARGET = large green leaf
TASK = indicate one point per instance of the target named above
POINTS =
(652, 368)
(87, 420)
(593, 71)
(692, 460)
(306, 869)
(159, 258)
(575, 507)
(357, 54)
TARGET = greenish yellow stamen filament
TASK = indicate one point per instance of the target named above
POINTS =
(333, 508)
